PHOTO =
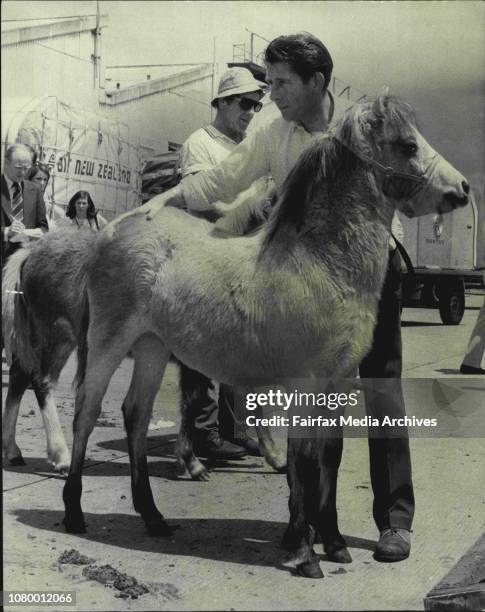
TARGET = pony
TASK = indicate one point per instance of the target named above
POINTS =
(42, 293)
(296, 300)
(42, 308)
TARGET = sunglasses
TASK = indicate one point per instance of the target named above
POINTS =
(246, 104)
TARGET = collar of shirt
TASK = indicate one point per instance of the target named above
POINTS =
(331, 111)
(10, 185)
(217, 134)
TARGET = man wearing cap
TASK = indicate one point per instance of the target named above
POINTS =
(238, 98)
(299, 69)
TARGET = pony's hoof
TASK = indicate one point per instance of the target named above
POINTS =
(278, 465)
(60, 462)
(18, 460)
(277, 462)
(61, 467)
(74, 525)
(199, 472)
(309, 569)
(159, 528)
(202, 476)
(338, 555)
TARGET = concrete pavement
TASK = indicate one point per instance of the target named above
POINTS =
(226, 555)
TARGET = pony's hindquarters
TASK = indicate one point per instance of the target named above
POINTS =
(12, 311)
(15, 331)
(36, 352)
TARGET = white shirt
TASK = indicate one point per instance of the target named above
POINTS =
(271, 150)
(208, 147)
(204, 149)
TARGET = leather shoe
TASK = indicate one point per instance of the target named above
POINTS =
(250, 444)
(215, 447)
(394, 545)
(466, 369)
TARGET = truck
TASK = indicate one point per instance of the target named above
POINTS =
(447, 253)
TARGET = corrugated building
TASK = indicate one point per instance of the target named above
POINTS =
(61, 58)
(165, 108)
(64, 59)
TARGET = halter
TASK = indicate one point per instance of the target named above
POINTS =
(396, 185)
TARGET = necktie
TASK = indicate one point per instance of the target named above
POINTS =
(17, 203)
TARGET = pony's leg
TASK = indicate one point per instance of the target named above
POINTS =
(18, 381)
(54, 357)
(150, 361)
(274, 457)
(102, 360)
(57, 451)
(329, 454)
(184, 447)
(300, 534)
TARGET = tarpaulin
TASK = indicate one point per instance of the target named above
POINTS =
(84, 150)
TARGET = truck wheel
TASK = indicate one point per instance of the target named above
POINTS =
(451, 303)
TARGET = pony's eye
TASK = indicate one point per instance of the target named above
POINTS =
(409, 148)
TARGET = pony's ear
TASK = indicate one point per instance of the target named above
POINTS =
(355, 129)
(380, 106)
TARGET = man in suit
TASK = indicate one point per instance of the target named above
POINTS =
(23, 215)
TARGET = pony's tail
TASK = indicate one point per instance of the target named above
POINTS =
(16, 328)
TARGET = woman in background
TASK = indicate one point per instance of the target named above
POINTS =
(82, 212)
(40, 174)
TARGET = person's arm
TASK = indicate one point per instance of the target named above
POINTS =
(198, 192)
(252, 209)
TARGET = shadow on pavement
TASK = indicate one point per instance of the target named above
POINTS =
(420, 324)
(249, 542)
(167, 468)
(154, 444)
(40, 467)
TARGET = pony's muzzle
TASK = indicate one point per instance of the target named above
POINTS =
(458, 200)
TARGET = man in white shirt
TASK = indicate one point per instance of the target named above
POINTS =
(299, 69)
(237, 99)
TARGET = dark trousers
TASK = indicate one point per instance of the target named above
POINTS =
(390, 459)
(208, 414)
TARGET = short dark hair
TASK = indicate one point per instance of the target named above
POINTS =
(303, 52)
(71, 207)
(36, 168)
